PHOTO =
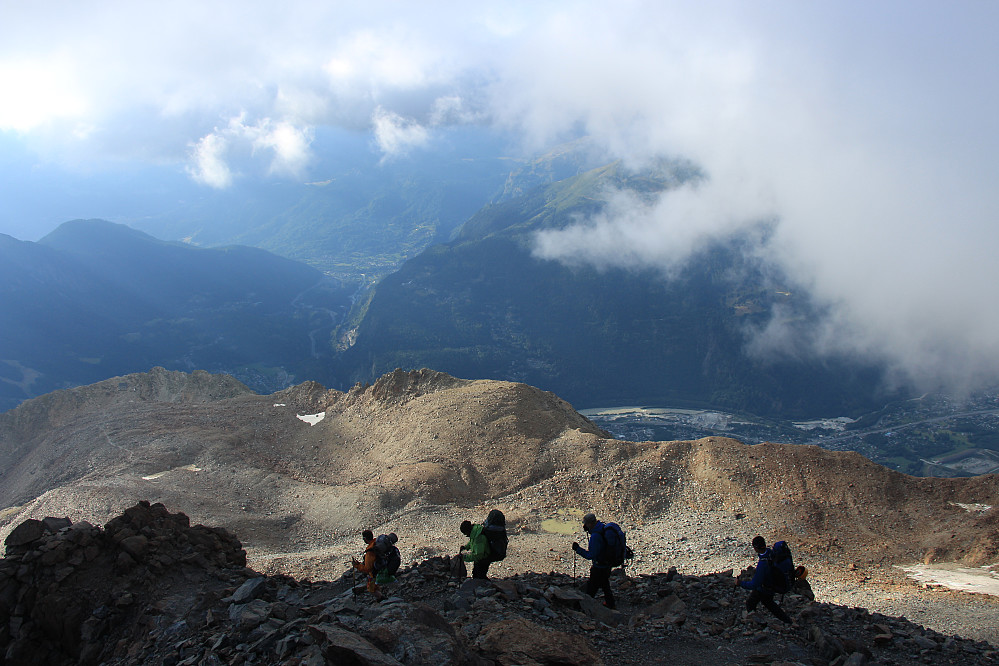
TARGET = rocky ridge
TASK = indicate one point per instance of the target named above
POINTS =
(149, 588)
(417, 452)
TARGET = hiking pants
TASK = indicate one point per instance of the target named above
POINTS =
(600, 580)
(767, 598)
(480, 569)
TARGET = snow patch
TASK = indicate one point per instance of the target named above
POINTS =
(981, 580)
(973, 508)
(186, 468)
(312, 419)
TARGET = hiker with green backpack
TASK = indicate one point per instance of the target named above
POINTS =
(486, 543)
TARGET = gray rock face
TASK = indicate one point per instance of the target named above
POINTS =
(149, 588)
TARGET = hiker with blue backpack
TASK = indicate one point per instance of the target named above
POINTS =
(606, 549)
(774, 575)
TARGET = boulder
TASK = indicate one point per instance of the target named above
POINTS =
(251, 589)
(341, 646)
(517, 641)
(27, 532)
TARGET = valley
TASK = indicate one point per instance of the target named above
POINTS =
(935, 435)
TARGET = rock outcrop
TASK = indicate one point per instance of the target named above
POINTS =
(149, 588)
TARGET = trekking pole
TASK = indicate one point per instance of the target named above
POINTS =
(574, 555)
(353, 585)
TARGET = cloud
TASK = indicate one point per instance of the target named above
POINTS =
(866, 130)
(37, 93)
(209, 165)
(865, 134)
(396, 135)
(287, 146)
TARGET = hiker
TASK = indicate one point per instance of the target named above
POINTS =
(477, 547)
(597, 552)
(367, 565)
(387, 558)
(486, 543)
(766, 581)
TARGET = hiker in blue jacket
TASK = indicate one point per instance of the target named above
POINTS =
(599, 571)
(760, 587)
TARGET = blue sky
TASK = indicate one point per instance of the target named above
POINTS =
(869, 130)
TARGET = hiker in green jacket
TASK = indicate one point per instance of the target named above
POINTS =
(477, 549)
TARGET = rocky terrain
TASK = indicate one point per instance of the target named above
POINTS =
(149, 588)
(298, 474)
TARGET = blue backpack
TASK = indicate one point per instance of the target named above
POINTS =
(781, 578)
(615, 550)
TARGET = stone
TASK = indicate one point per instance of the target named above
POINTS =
(599, 612)
(339, 645)
(29, 531)
(517, 641)
(53, 525)
(135, 546)
(567, 596)
(671, 605)
(249, 615)
(251, 589)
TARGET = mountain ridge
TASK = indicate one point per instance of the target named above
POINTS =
(96, 299)
(423, 440)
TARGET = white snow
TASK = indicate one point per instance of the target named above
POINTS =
(312, 419)
(982, 580)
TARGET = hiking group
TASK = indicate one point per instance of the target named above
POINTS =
(606, 549)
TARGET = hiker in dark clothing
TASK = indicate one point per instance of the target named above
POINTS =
(760, 587)
(477, 549)
(599, 572)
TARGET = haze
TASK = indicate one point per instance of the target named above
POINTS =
(866, 133)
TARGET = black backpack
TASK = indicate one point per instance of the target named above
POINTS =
(781, 577)
(615, 550)
(387, 556)
(494, 529)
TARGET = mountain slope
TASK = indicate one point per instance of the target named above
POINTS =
(415, 450)
(484, 306)
(95, 299)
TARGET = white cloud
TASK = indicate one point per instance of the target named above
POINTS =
(289, 144)
(396, 135)
(209, 164)
(38, 92)
(867, 129)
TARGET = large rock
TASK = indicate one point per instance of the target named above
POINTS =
(340, 646)
(27, 532)
(517, 641)
(419, 634)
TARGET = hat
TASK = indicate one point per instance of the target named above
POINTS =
(589, 520)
